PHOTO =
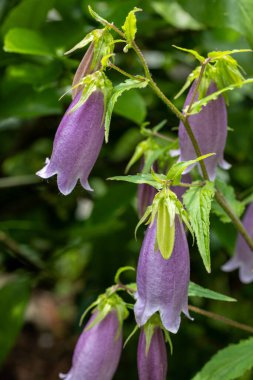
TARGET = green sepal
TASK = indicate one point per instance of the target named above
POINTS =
(145, 216)
(94, 35)
(121, 270)
(195, 290)
(132, 333)
(97, 17)
(149, 329)
(91, 83)
(118, 90)
(105, 304)
(175, 172)
(130, 28)
(165, 230)
(191, 77)
(192, 52)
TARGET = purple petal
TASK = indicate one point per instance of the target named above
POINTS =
(77, 144)
(97, 352)
(210, 129)
(162, 285)
(243, 257)
(153, 365)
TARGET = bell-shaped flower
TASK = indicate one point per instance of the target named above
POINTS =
(98, 350)
(77, 143)
(152, 355)
(162, 284)
(209, 127)
(243, 257)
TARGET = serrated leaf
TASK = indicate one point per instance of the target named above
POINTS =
(116, 93)
(228, 364)
(197, 106)
(165, 230)
(229, 194)
(197, 201)
(176, 170)
(139, 179)
(195, 290)
(193, 52)
(129, 26)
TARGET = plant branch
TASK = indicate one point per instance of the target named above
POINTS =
(221, 318)
(218, 195)
(123, 72)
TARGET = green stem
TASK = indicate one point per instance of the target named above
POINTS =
(218, 195)
(123, 72)
(221, 318)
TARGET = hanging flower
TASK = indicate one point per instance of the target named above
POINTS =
(243, 257)
(162, 285)
(77, 144)
(210, 130)
(152, 355)
(98, 350)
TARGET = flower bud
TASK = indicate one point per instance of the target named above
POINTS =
(209, 127)
(243, 257)
(152, 360)
(98, 350)
(162, 285)
(77, 143)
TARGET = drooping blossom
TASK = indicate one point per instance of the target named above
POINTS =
(152, 363)
(97, 351)
(210, 130)
(243, 257)
(77, 144)
(162, 285)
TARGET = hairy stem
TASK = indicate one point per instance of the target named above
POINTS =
(221, 318)
(218, 195)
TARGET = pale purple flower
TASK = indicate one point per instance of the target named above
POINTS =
(243, 257)
(210, 130)
(97, 351)
(77, 144)
(162, 285)
(152, 365)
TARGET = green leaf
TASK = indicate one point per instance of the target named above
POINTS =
(193, 52)
(132, 106)
(165, 230)
(235, 14)
(176, 170)
(195, 290)
(197, 201)
(229, 194)
(26, 41)
(129, 26)
(139, 179)
(27, 14)
(197, 106)
(14, 297)
(116, 93)
(229, 363)
(175, 15)
(97, 17)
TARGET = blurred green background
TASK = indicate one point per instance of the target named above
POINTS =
(58, 253)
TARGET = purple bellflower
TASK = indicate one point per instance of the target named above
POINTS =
(152, 363)
(210, 130)
(77, 144)
(162, 285)
(243, 257)
(97, 351)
